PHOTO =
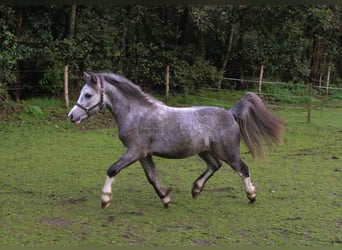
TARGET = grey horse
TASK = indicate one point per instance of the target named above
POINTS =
(148, 127)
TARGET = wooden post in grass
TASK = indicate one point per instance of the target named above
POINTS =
(309, 102)
(328, 81)
(167, 83)
(66, 87)
(261, 78)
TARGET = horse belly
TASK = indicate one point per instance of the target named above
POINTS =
(172, 156)
(176, 147)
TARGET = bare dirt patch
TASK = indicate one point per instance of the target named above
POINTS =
(57, 222)
(73, 201)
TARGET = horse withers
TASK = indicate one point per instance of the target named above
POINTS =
(148, 127)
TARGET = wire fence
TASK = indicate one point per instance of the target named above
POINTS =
(289, 95)
(283, 90)
(304, 97)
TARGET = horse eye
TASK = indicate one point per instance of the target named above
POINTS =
(88, 96)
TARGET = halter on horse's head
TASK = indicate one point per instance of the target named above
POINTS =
(86, 100)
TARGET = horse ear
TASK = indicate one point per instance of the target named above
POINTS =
(93, 77)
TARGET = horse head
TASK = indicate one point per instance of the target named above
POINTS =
(90, 100)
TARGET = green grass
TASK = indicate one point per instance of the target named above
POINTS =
(52, 174)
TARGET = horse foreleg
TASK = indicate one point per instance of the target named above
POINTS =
(106, 196)
(126, 160)
(212, 166)
(152, 177)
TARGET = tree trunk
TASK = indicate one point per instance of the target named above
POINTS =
(124, 50)
(316, 58)
(227, 55)
(201, 45)
(183, 26)
(18, 86)
(72, 21)
(72, 25)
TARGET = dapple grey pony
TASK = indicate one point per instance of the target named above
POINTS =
(148, 128)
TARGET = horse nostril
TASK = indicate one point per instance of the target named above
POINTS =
(71, 117)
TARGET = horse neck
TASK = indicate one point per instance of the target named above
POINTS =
(120, 106)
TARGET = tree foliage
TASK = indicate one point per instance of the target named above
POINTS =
(202, 44)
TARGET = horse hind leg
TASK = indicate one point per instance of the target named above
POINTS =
(242, 169)
(152, 177)
(213, 165)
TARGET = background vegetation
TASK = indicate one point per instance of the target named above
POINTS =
(202, 44)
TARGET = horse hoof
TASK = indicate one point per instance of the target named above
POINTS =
(195, 194)
(166, 205)
(105, 205)
(166, 199)
(252, 198)
(251, 201)
(196, 190)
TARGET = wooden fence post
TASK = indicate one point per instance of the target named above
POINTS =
(309, 102)
(261, 78)
(66, 87)
(167, 83)
(328, 81)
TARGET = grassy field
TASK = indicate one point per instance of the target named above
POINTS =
(52, 174)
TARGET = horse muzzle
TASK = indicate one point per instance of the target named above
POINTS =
(75, 117)
(73, 120)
